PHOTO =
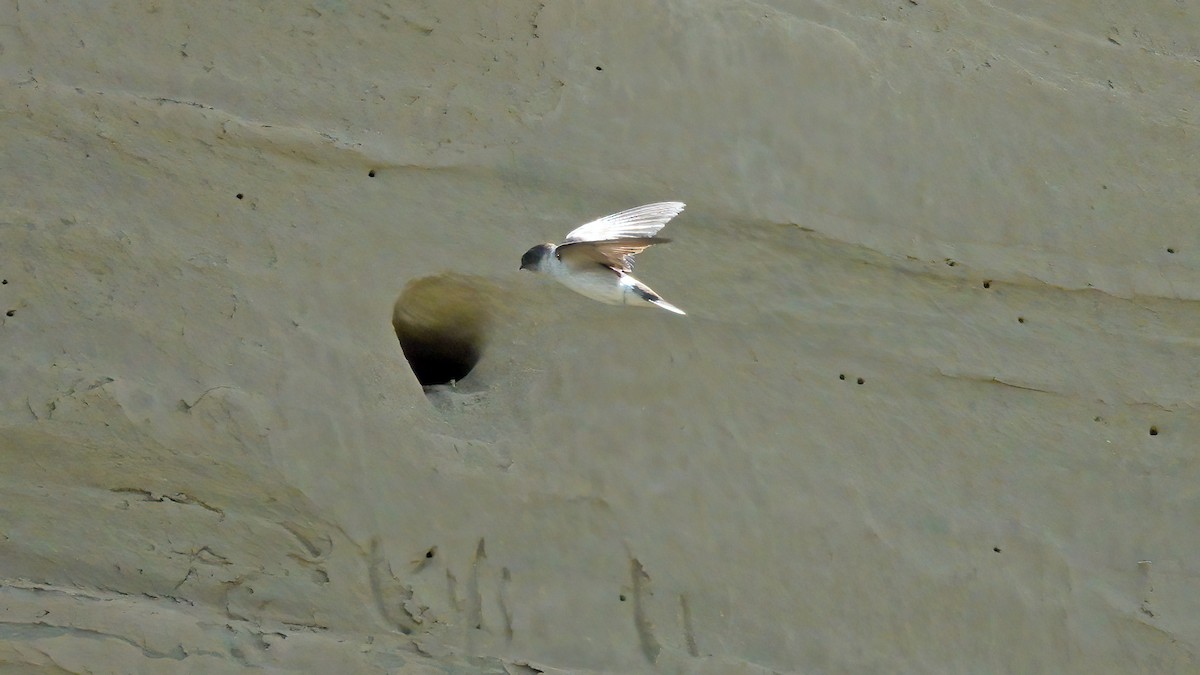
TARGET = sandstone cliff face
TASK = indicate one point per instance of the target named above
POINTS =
(933, 407)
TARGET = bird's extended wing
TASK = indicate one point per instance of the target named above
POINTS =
(615, 253)
(638, 222)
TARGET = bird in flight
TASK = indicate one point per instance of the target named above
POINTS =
(596, 258)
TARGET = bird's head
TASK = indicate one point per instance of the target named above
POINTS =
(532, 260)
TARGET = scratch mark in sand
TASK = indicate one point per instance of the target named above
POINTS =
(505, 606)
(474, 599)
(689, 633)
(645, 629)
(390, 597)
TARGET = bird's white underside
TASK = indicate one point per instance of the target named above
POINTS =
(603, 287)
(600, 285)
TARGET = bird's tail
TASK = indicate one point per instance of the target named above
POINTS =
(668, 306)
(645, 293)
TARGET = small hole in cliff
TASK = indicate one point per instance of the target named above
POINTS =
(4, 282)
(1020, 319)
(442, 323)
(1153, 431)
(10, 312)
(1171, 250)
(841, 376)
(860, 380)
(371, 173)
(996, 549)
(622, 597)
(241, 196)
(599, 68)
(987, 284)
(429, 553)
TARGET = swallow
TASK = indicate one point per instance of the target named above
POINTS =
(596, 258)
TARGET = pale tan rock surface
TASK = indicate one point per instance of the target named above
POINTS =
(216, 457)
